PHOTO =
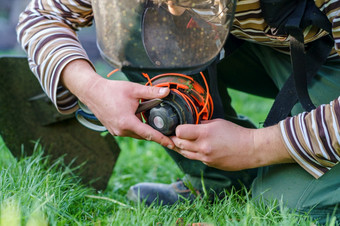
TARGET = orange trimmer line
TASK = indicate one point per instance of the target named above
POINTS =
(161, 75)
(180, 75)
(187, 100)
(207, 97)
(188, 77)
(111, 73)
(148, 78)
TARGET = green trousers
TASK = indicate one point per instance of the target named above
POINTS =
(262, 71)
(290, 182)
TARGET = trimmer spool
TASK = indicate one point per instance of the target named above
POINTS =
(187, 103)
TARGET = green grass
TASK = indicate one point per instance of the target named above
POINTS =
(35, 192)
(254, 107)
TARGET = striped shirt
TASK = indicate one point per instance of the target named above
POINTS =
(47, 32)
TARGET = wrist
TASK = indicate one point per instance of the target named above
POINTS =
(269, 147)
(78, 76)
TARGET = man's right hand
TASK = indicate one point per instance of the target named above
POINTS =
(114, 103)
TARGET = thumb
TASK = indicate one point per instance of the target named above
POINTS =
(151, 92)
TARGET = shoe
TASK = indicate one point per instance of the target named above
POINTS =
(161, 194)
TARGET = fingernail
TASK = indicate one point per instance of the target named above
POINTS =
(162, 91)
(170, 146)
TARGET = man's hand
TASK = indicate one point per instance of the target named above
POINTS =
(227, 146)
(114, 103)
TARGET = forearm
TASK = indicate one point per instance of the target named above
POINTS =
(78, 76)
(269, 147)
(48, 36)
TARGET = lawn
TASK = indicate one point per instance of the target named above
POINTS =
(34, 191)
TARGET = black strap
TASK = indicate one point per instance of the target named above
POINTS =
(295, 89)
(298, 60)
(297, 53)
(287, 97)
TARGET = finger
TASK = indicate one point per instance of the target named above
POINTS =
(206, 121)
(188, 131)
(148, 133)
(133, 135)
(187, 145)
(189, 154)
(125, 134)
(211, 121)
(150, 92)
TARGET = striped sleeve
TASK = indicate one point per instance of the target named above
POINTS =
(331, 8)
(313, 139)
(47, 32)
